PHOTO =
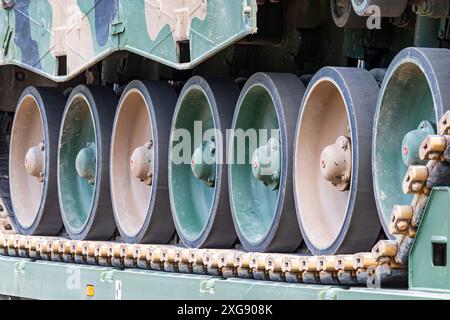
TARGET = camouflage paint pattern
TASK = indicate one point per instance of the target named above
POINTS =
(35, 34)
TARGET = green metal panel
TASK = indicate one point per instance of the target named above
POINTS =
(34, 34)
(434, 230)
(50, 280)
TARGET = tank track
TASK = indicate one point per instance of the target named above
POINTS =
(357, 269)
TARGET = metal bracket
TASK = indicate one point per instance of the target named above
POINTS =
(208, 287)
(107, 276)
(19, 267)
(117, 28)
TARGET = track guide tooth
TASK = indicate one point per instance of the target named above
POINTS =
(327, 270)
(181, 255)
(101, 250)
(415, 179)
(196, 260)
(433, 147)
(274, 263)
(53, 250)
(343, 262)
(6, 226)
(308, 264)
(325, 263)
(43, 248)
(345, 272)
(226, 259)
(363, 261)
(401, 220)
(444, 124)
(76, 248)
(257, 264)
(385, 249)
(290, 266)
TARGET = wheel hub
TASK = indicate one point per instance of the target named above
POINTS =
(336, 163)
(35, 161)
(266, 164)
(412, 141)
(86, 162)
(203, 163)
(141, 163)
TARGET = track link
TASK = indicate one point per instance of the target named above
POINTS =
(6, 226)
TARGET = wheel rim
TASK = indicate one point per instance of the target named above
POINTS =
(193, 210)
(255, 204)
(413, 91)
(260, 188)
(32, 159)
(332, 178)
(27, 191)
(197, 176)
(131, 196)
(77, 194)
(324, 118)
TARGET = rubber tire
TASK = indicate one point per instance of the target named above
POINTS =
(48, 220)
(287, 92)
(349, 19)
(100, 223)
(219, 231)
(361, 227)
(389, 8)
(158, 226)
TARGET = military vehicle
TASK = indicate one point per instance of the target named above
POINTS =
(295, 141)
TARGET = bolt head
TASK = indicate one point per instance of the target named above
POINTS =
(405, 150)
